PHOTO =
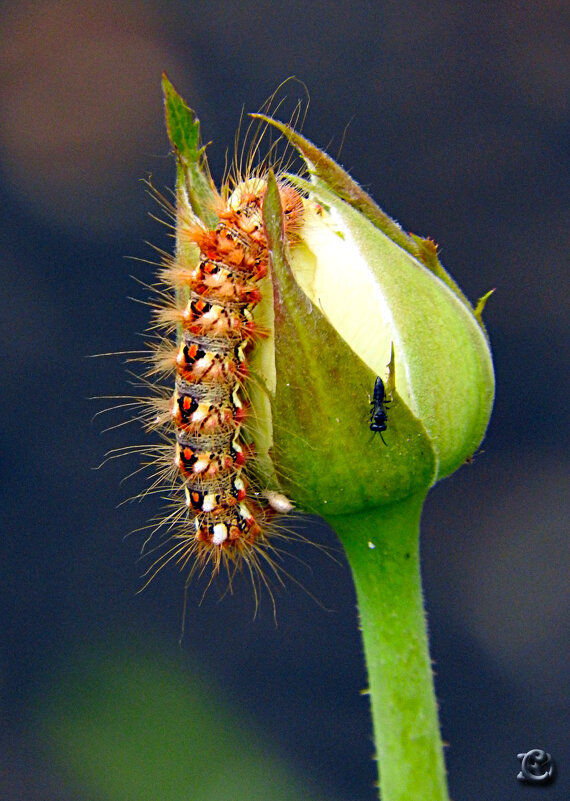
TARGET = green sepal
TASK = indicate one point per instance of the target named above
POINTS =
(323, 389)
(193, 174)
(320, 164)
(481, 303)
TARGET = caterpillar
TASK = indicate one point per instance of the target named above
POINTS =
(219, 515)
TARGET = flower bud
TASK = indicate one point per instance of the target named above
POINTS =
(352, 294)
(352, 303)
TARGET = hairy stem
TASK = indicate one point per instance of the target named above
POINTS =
(382, 547)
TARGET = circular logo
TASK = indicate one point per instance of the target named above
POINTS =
(536, 766)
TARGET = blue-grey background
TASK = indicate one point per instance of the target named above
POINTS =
(457, 117)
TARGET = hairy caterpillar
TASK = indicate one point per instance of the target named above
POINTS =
(219, 514)
(212, 297)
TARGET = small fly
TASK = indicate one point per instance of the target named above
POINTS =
(378, 416)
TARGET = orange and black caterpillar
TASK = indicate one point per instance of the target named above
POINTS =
(210, 290)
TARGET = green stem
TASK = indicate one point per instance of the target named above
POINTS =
(382, 547)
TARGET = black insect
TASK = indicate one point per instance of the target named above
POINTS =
(378, 416)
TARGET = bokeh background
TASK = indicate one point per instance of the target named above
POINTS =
(457, 116)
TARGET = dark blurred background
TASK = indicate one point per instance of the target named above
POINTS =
(457, 117)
